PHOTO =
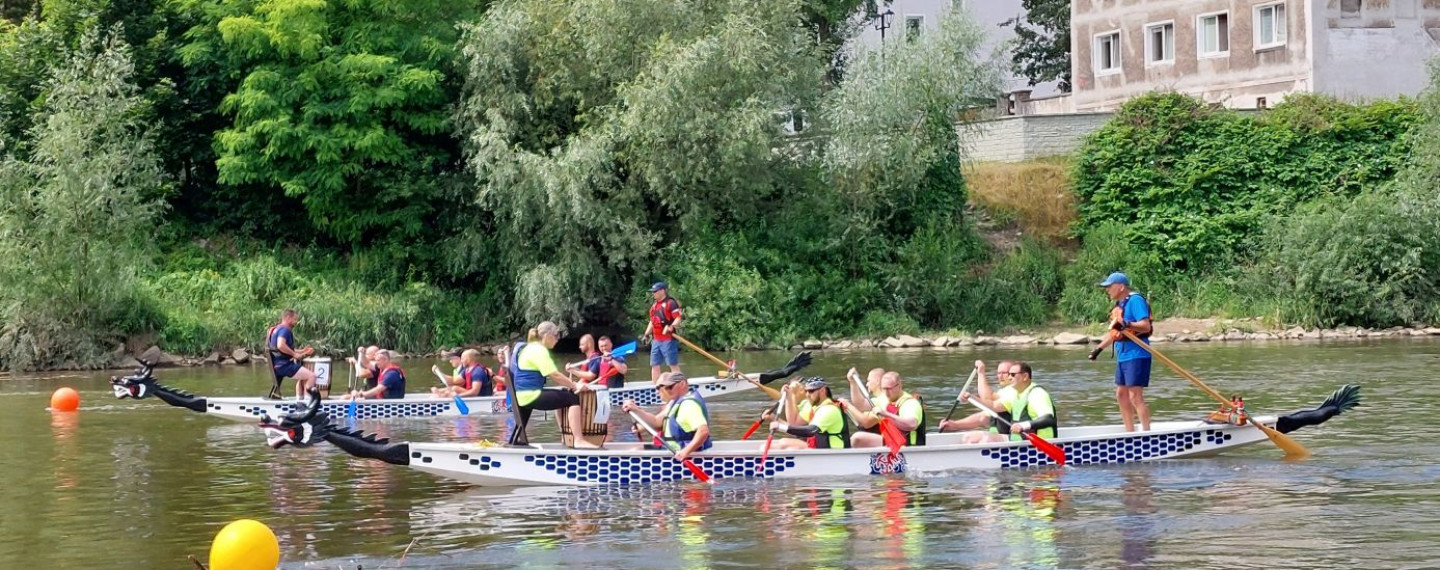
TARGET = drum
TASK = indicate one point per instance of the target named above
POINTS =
(593, 432)
(321, 365)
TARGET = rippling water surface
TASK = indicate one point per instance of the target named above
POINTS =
(127, 484)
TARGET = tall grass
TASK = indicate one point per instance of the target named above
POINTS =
(1036, 194)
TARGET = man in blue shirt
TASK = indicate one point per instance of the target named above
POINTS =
(1132, 363)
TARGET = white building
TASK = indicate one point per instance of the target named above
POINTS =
(910, 18)
(1250, 53)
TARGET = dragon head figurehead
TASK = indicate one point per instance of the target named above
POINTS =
(302, 428)
(138, 385)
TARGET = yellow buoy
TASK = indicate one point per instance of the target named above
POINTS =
(65, 399)
(245, 545)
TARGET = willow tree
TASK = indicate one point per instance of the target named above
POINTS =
(601, 130)
(77, 213)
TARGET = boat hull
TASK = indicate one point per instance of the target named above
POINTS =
(249, 409)
(630, 463)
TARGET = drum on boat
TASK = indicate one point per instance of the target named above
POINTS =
(595, 415)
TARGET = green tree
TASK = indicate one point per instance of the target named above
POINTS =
(1043, 50)
(344, 105)
(78, 213)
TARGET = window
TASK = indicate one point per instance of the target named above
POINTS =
(914, 25)
(1350, 8)
(1269, 26)
(1160, 43)
(1107, 53)
(1214, 34)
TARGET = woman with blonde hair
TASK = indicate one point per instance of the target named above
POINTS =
(530, 364)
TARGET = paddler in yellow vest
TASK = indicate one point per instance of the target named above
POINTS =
(979, 420)
(894, 404)
(530, 364)
(1031, 409)
(816, 419)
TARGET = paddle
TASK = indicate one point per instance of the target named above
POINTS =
(756, 425)
(459, 403)
(695, 469)
(1292, 448)
(773, 393)
(353, 406)
(1053, 451)
(963, 389)
(765, 451)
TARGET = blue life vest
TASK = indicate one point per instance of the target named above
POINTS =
(477, 373)
(681, 436)
(523, 379)
(393, 394)
(272, 342)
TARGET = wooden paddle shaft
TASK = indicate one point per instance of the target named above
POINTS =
(773, 393)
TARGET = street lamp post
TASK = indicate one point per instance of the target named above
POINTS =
(882, 22)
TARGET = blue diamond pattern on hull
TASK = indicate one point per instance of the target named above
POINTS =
(398, 409)
(1116, 450)
(642, 397)
(613, 470)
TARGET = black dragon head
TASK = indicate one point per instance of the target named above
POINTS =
(139, 385)
(302, 428)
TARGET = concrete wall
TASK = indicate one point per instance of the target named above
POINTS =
(1015, 139)
(1237, 79)
(1381, 51)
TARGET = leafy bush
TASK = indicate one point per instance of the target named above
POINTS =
(1196, 185)
(1107, 249)
(1371, 261)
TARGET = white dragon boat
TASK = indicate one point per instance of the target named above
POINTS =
(636, 463)
(142, 384)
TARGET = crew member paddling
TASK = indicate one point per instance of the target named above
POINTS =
(365, 368)
(980, 420)
(686, 418)
(894, 404)
(530, 364)
(472, 379)
(391, 384)
(285, 358)
(602, 367)
(816, 419)
(1028, 404)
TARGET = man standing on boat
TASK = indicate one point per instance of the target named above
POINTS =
(664, 320)
(979, 420)
(1132, 363)
(530, 364)
(391, 380)
(285, 358)
(685, 418)
(892, 404)
(1029, 405)
(816, 419)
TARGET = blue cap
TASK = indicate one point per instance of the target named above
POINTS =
(658, 286)
(1116, 277)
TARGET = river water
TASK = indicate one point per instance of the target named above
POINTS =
(127, 484)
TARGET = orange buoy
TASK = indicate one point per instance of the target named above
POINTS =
(66, 399)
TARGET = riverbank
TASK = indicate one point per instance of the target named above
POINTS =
(1169, 330)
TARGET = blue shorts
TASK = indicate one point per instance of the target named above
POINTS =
(665, 352)
(287, 370)
(1135, 373)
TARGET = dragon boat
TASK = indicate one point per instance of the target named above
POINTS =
(142, 384)
(636, 463)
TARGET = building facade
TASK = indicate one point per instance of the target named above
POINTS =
(914, 18)
(1250, 53)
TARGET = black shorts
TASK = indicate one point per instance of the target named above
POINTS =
(554, 400)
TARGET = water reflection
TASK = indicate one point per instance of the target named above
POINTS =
(1137, 526)
(65, 431)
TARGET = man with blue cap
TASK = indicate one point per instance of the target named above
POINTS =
(1132, 363)
(664, 319)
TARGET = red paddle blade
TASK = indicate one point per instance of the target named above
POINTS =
(764, 453)
(1053, 451)
(892, 437)
(753, 427)
(695, 469)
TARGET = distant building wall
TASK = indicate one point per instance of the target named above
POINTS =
(1020, 138)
